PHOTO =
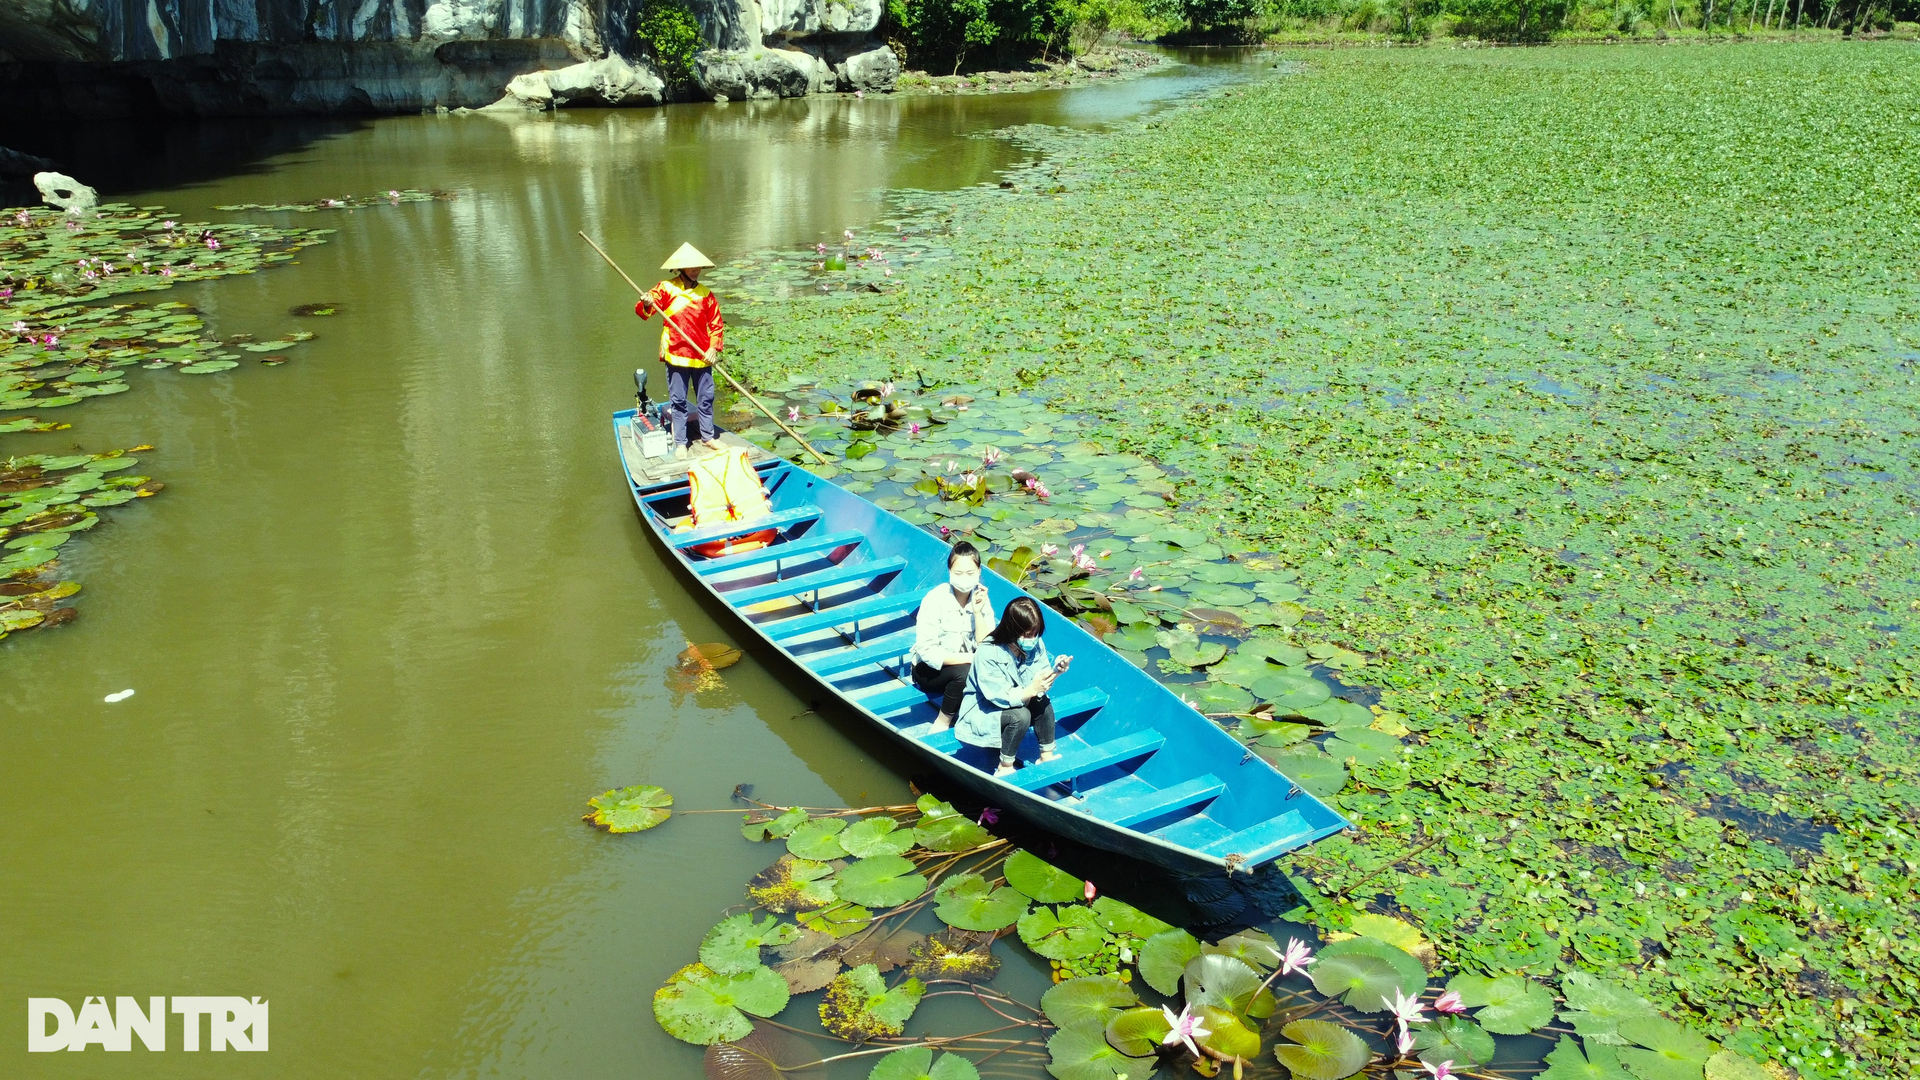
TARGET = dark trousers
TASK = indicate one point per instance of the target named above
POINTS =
(681, 380)
(1036, 714)
(950, 682)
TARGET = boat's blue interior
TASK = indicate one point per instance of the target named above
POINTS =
(838, 591)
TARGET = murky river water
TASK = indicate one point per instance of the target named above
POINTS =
(393, 620)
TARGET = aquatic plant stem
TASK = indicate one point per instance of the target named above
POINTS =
(1344, 892)
(715, 363)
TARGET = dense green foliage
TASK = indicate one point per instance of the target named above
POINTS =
(1577, 386)
(951, 35)
(1529, 20)
(670, 36)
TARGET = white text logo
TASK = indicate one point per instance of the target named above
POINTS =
(233, 1023)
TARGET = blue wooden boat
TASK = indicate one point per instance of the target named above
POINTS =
(1140, 772)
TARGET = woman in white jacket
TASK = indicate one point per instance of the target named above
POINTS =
(954, 620)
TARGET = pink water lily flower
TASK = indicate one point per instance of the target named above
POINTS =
(793, 414)
(1297, 956)
(1049, 550)
(1136, 576)
(1078, 549)
(913, 429)
(1084, 562)
(166, 271)
(820, 249)
(1403, 1042)
(1090, 892)
(848, 234)
(1407, 1010)
(1184, 1028)
(886, 389)
(990, 456)
(989, 815)
(167, 225)
(969, 479)
(1449, 1003)
(212, 244)
(19, 327)
(1442, 1071)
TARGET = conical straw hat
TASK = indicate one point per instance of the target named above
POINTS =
(687, 256)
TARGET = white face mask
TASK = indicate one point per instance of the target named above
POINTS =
(1028, 644)
(963, 581)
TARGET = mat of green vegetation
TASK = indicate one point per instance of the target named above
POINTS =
(1577, 385)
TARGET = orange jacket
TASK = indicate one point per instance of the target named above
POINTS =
(691, 319)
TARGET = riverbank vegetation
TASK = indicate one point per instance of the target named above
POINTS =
(1572, 391)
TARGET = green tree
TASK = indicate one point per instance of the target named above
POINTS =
(670, 36)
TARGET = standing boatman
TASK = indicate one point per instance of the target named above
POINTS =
(690, 337)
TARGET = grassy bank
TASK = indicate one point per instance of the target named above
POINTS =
(1578, 387)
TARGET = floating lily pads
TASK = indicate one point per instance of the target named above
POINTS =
(792, 885)
(1291, 692)
(1081, 1053)
(703, 1007)
(818, 840)
(859, 1006)
(942, 828)
(881, 881)
(1600, 1062)
(1164, 958)
(733, 946)
(1456, 1039)
(1119, 917)
(954, 954)
(630, 809)
(1138, 1032)
(761, 828)
(1226, 982)
(918, 1063)
(1365, 973)
(1038, 881)
(1061, 933)
(1663, 1050)
(1322, 1050)
(1090, 1001)
(1508, 1005)
(968, 902)
(875, 836)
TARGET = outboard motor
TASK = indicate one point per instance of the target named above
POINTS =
(642, 405)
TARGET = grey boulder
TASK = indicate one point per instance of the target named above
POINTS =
(876, 69)
(65, 192)
(760, 73)
(613, 80)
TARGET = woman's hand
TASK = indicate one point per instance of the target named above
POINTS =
(1038, 687)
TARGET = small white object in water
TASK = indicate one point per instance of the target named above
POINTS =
(121, 696)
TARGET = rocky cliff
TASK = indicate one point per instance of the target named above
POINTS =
(267, 57)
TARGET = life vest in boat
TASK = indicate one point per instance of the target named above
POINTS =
(723, 488)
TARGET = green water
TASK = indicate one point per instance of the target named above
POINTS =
(393, 619)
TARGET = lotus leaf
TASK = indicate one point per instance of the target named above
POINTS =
(792, 885)
(1227, 1034)
(629, 809)
(884, 951)
(1255, 948)
(818, 839)
(1081, 1053)
(1062, 934)
(1274, 733)
(1363, 746)
(806, 976)
(1671, 1052)
(1245, 667)
(858, 1006)
(1509, 1004)
(778, 827)
(1456, 1039)
(1039, 881)
(1595, 1007)
(1600, 1062)
(954, 954)
(1303, 763)
(1366, 973)
(1731, 1065)
(881, 882)
(941, 828)
(1121, 918)
(1185, 647)
(917, 1063)
(1291, 691)
(1225, 982)
(1086, 1001)
(703, 1007)
(767, 1054)
(204, 367)
(1322, 1051)
(734, 945)
(876, 836)
(1213, 698)
(1134, 637)
(1395, 932)
(838, 920)
(1336, 713)
(966, 901)
(1164, 958)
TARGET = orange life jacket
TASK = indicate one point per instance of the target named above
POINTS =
(723, 488)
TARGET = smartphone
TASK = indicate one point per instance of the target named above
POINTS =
(1061, 664)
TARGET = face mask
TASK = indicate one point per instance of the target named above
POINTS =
(1028, 644)
(963, 580)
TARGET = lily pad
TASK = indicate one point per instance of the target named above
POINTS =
(1316, 773)
(858, 1005)
(204, 367)
(733, 946)
(1456, 1039)
(1225, 983)
(1363, 746)
(1226, 1034)
(876, 836)
(1600, 1062)
(1185, 647)
(792, 885)
(767, 1054)
(1080, 1053)
(954, 954)
(1663, 1050)
(917, 1063)
(1065, 933)
(1164, 958)
(1254, 948)
(1120, 917)
(1366, 973)
(1214, 698)
(1322, 1051)
(778, 827)
(629, 809)
(818, 839)
(1090, 1000)
(1138, 1032)
(1291, 691)
(1509, 1004)
(882, 881)
(1040, 881)
(703, 1007)
(941, 828)
(1595, 1007)
(968, 902)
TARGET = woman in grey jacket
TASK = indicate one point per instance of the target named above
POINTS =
(1007, 687)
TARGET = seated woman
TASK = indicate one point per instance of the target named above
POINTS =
(954, 620)
(1007, 688)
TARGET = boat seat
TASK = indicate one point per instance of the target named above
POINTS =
(850, 659)
(846, 572)
(791, 549)
(726, 530)
(1077, 763)
(1080, 701)
(1254, 842)
(893, 698)
(875, 607)
(1129, 810)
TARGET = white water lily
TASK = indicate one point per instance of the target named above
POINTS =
(1185, 1028)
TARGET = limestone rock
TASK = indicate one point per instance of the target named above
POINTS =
(759, 73)
(612, 80)
(876, 69)
(793, 17)
(65, 192)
